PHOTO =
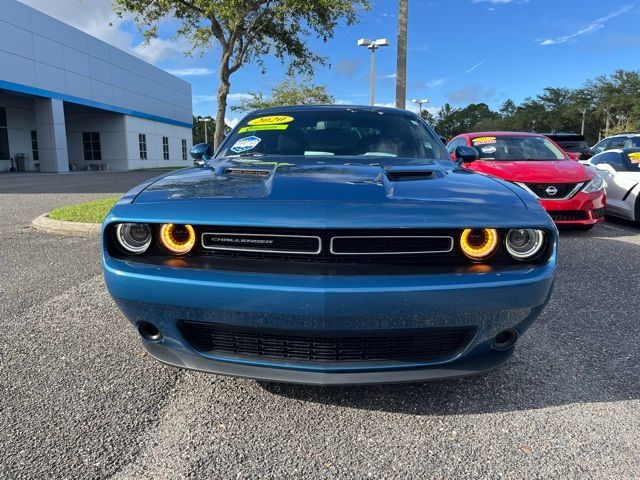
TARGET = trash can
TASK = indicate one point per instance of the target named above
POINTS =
(21, 162)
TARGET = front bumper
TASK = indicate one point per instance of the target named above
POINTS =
(490, 302)
(588, 206)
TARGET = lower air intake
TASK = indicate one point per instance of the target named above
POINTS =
(424, 345)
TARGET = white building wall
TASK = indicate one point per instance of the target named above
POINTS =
(41, 52)
(154, 132)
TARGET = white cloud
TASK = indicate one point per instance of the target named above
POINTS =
(592, 27)
(436, 82)
(96, 17)
(494, 2)
(190, 72)
(232, 97)
(232, 122)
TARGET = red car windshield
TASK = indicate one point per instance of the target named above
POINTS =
(518, 148)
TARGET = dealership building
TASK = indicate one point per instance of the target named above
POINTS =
(69, 101)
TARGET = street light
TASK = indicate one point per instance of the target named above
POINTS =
(420, 102)
(373, 45)
(205, 120)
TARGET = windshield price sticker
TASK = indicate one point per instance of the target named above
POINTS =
(244, 144)
(257, 128)
(489, 149)
(483, 140)
(272, 120)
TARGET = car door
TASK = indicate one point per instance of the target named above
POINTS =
(617, 182)
(629, 181)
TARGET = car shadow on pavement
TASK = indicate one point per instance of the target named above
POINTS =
(584, 347)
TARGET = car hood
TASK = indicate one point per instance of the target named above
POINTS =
(329, 179)
(554, 171)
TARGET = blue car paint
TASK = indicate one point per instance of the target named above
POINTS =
(321, 193)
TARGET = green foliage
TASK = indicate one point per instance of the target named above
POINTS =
(246, 31)
(288, 92)
(607, 100)
(87, 212)
(198, 130)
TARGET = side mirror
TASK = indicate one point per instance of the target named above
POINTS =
(466, 155)
(201, 153)
(605, 167)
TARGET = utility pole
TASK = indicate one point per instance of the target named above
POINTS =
(584, 117)
(373, 45)
(401, 68)
(206, 121)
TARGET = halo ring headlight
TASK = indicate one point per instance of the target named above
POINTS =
(134, 238)
(479, 243)
(178, 239)
(524, 243)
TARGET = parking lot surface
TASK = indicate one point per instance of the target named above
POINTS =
(80, 399)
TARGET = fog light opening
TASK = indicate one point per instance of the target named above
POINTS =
(149, 332)
(505, 339)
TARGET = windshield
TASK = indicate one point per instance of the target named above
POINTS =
(573, 146)
(326, 132)
(518, 148)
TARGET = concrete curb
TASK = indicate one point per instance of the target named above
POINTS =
(49, 225)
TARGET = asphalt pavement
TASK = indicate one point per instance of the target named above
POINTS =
(80, 399)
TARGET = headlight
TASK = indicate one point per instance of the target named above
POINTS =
(596, 183)
(134, 237)
(524, 243)
(178, 239)
(479, 243)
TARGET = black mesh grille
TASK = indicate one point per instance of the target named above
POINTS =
(404, 245)
(562, 189)
(416, 345)
(567, 215)
(598, 212)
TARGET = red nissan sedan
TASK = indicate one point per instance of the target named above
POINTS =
(571, 194)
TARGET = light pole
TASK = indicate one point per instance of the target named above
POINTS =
(206, 121)
(420, 102)
(373, 45)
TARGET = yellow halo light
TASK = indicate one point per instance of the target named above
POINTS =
(178, 239)
(479, 243)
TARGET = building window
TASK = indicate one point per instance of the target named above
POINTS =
(34, 145)
(165, 148)
(91, 145)
(4, 135)
(142, 142)
(184, 150)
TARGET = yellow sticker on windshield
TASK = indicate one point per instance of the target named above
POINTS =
(257, 128)
(483, 140)
(634, 157)
(272, 120)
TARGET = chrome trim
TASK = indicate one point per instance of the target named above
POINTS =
(257, 250)
(576, 189)
(392, 236)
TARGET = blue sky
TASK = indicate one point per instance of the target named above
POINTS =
(460, 51)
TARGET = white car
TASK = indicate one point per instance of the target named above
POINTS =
(622, 140)
(620, 169)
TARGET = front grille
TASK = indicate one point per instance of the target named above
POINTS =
(567, 215)
(562, 190)
(381, 245)
(266, 243)
(423, 345)
(598, 212)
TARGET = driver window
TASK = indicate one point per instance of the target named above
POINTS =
(612, 158)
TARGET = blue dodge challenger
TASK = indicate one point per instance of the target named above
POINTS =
(330, 245)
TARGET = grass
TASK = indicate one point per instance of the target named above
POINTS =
(87, 212)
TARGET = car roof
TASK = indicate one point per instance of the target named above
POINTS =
(319, 108)
(618, 135)
(503, 134)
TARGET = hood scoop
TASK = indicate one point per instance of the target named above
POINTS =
(247, 172)
(403, 173)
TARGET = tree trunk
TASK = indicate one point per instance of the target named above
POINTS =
(223, 91)
(401, 67)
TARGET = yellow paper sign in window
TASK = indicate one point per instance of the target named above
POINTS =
(271, 120)
(483, 140)
(634, 157)
(257, 128)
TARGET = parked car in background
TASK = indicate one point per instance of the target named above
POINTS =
(623, 140)
(620, 169)
(571, 193)
(572, 143)
(330, 245)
